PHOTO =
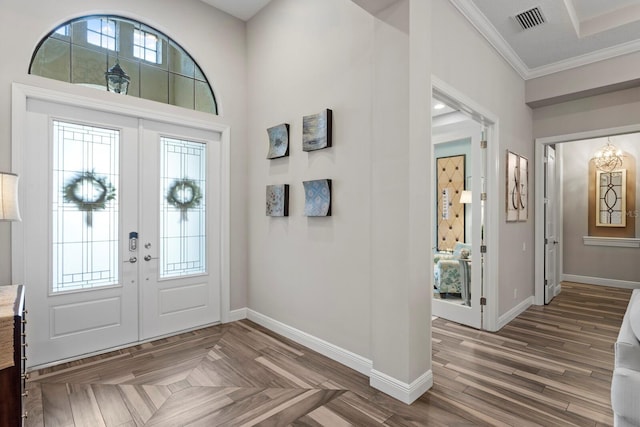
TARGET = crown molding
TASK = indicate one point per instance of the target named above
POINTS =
(586, 59)
(486, 28)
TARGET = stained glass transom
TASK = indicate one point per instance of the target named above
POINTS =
(84, 207)
(183, 208)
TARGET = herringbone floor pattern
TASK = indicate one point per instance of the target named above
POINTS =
(551, 366)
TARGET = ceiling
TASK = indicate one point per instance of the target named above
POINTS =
(241, 9)
(576, 32)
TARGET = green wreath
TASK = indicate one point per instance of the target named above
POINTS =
(74, 192)
(184, 194)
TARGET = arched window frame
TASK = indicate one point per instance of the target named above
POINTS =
(172, 61)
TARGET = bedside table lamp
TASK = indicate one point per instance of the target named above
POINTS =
(9, 210)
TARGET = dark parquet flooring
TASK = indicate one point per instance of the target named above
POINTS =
(551, 366)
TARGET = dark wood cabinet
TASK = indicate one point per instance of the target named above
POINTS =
(13, 378)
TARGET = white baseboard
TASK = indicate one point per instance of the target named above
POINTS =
(346, 357)
(514, 312)
(601, 281)
(239, 314)
(406, 393)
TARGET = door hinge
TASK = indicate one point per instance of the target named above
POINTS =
(483, 196)
(483, 143)
(546, 282)
(483, 301)
(483, 249)
(546, 241)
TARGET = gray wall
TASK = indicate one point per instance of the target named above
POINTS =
(592, 261)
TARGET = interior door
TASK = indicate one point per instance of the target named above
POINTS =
(468, 310)
(180, 234)
(550, 226)
(78, 210)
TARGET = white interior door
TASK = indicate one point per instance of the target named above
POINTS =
(180, 248)
(468, 311)
(107, 260)
(551, 285)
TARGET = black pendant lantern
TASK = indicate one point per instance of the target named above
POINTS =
(117, 79)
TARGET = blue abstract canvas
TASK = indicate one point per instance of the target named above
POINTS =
(278, 141)
(316, 131)
(317, 197)
(277, 200)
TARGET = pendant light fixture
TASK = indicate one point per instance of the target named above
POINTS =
(117, 80)
(608, 158)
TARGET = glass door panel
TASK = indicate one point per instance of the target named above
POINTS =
(182, 207)
(85, 212)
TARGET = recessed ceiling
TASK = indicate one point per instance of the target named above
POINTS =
(576, 32)
(241, 9)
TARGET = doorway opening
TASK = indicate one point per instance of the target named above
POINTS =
(463, 139)
(572, 243)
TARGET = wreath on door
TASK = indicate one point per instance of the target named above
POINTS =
(184, 194)
(89, 192)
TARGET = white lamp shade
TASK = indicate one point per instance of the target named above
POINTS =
(465, 196)
(9, 210)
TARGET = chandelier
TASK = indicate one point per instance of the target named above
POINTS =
(608, 158)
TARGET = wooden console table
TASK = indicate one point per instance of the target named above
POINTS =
(12, 358)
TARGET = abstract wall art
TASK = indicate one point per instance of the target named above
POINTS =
(517, 187)
(277, 200)
(316, 131)
(278, 141)
(317, 197)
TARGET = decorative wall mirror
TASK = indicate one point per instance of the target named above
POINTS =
(611, 198)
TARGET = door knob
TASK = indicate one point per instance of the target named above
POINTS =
(149, 257)
(132, 260)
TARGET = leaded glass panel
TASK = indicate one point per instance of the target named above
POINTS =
(182, 208)
(611, 198)
(85, 207)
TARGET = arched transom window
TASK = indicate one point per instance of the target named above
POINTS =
(142, 61)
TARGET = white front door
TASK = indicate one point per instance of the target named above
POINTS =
(108, 261)
(551, 254)
(180, 243)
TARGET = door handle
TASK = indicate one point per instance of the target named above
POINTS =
(149, 257)
(132, 260)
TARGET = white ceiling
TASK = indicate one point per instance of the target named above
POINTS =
(241, 9)
(576, 32)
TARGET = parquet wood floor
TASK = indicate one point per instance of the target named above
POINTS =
(551, 366)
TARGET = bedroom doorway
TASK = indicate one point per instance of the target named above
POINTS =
(460, 136)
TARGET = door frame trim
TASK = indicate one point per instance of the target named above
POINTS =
(63, 93)
(539, 195)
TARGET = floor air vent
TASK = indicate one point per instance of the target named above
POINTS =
(530, 18)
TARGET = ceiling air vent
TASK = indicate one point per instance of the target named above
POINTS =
(530, 18)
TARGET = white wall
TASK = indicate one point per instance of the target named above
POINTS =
(609, 263)
(312, 273)
(465, 60)
(214, 39)
(605, 111)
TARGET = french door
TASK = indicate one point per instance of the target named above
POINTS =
(121, 223)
